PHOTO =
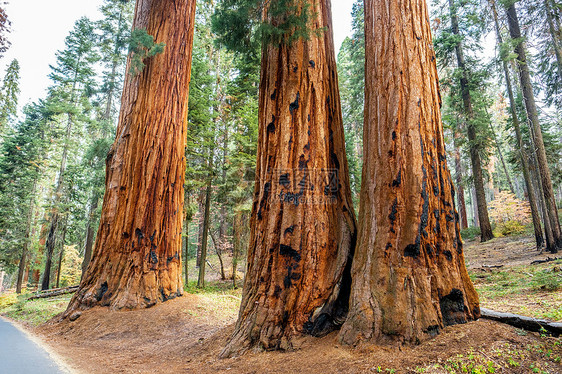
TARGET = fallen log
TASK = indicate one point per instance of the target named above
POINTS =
(492, 266)
(53, 293)
(522, 322)
(548, 259)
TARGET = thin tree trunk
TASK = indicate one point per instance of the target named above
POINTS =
(500, 154)
(61, 255)
(136, 260)
(237, 243)
(90, 234)
(532, 114)
(539, 187)
(201, 226)
(531, 192)
(460, 187)
(185, 237)
(477, 174)
(553, 34)
(51, 239)
(26, 241)
(219, 252)
(409, 274)
(302, 224)
(206, 221)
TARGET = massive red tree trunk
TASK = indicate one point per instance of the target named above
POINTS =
(409, 275)
(302, 224)
(136, 260)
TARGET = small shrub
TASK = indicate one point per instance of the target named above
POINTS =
(508, 228)
(8, 300)
(547, 280)
(470, 233)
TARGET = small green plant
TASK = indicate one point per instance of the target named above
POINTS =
(141, 47)
(509, 228)
(547, 280)
(470, 233)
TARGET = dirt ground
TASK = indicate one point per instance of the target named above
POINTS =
(186, 335)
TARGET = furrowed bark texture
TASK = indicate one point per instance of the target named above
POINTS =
(302, 224)
(409, 275)
(136, 260)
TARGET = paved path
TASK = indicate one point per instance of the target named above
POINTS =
(20, 355)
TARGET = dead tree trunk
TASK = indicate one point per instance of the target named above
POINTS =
(302, 223)
(409, 275)
(136, 260)
(532, 114)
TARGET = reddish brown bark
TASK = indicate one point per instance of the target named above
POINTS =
(302, 224)
(409, 275)
(136, 260)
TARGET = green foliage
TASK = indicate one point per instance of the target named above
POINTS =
(9, 94)
(21, 163)
(351, 72)
(35, 312)
(141, 47)
(470, 233)
(241, 26)
(547, 280)
(509, 228)
(71, 271)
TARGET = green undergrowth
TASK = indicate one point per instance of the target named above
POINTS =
(533, 290)
(32, 312)
(543, 357)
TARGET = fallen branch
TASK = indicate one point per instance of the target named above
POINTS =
(548, 259)
(522, 322)
(492, 266)
(53, 293)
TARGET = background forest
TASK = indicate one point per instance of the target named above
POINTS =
(53, 152)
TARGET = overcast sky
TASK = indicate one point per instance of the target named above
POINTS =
(39, 28)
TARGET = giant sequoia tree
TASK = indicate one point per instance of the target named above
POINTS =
(302, 225)
(409, 275)
(136, 259)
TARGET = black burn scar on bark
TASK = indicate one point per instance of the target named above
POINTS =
(424, 219)
(274, 95)
(453, 308)
(448, 255)
(271, 126)
(398, 180)
(266, 191)
(284, 180)
(312, 63)
(295, 105)
(139, 234)
(103, 289)
(288, 251)
(153, 258)
(393, 212)
(290, 230)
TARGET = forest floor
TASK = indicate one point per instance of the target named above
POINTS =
(185, 335)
